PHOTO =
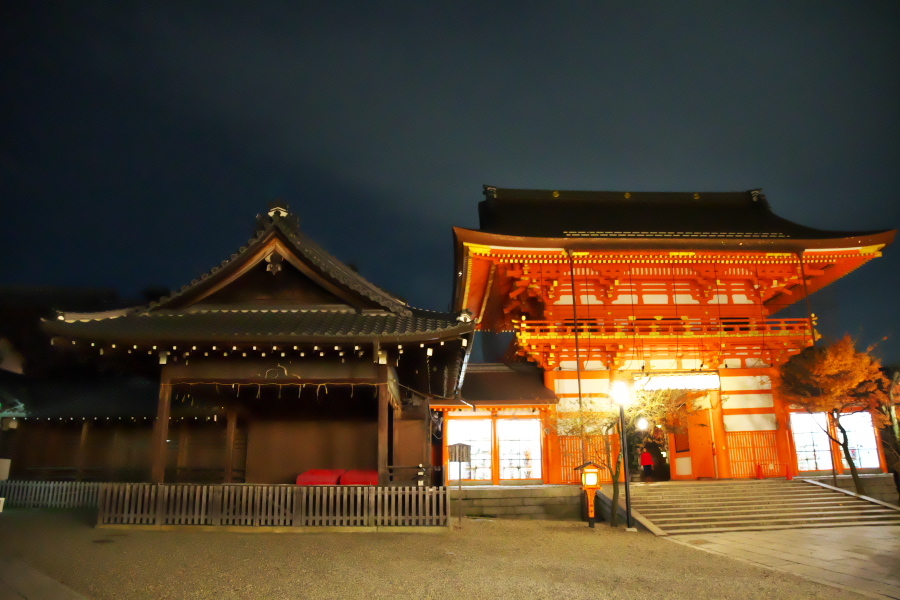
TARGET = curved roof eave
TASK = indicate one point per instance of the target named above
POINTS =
(744, 244)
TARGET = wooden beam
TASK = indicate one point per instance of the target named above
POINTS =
(161, 428)
(230, 435)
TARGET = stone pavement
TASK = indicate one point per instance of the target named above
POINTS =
(864, 559)
(18, 581)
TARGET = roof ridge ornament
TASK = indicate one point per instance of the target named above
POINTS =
(279, 208)
(279, 211)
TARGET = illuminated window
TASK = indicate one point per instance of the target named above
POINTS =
(812, 443)
(520, 448)
(477, 433)
(861, 436)
(518, 443)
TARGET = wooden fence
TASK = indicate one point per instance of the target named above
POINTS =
(49, 494)
(571, 455)
(259, 505)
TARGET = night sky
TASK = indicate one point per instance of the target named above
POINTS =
(139, 141)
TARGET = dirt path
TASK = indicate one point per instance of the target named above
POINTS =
(485, 559)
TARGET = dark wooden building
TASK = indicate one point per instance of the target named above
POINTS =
(280, 360)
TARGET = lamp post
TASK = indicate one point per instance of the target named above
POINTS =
(590, 482)
(622, 396)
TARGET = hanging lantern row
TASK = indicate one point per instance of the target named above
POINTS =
(175, 352)
(213, 418)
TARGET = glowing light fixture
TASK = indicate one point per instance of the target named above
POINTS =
(620, 392)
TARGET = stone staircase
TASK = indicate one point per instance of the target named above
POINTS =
(741, 505)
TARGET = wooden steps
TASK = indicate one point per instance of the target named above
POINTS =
(720, 506)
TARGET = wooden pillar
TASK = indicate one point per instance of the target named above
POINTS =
(230, 435)
(383, 416)
(82, 450)
(445, 453)
(394, 437)
(161, 429)
(182, 462)
(116, 460)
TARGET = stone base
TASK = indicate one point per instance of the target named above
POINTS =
(558, 502)
(879, 486)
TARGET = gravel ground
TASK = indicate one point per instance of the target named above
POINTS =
(484, 559)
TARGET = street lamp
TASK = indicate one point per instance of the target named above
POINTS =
(590, 483)
(621, 395)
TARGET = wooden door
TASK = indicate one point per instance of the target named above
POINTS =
(702, 459)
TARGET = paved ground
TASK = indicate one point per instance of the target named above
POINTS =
(18, 581)
(486, 558)
(864, 559)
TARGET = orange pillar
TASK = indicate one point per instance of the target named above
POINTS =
(720, 436)
(784, 443)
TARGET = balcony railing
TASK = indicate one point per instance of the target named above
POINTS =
(620, 328)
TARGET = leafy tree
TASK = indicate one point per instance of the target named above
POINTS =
(837, 380)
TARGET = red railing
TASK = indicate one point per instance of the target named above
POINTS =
(622, 328)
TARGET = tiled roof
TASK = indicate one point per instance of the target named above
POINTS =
(328, 265)
(577, 214)
(178, 318)
(496, 384)
(257, 325)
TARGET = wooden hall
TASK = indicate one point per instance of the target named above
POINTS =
(279, 361)
(701, 291)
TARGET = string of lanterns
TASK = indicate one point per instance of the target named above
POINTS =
(175, 352)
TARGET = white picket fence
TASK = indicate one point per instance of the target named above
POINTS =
(240, 504)
(263, 505)
(50, 494)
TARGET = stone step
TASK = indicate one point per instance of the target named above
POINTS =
(663, 521)
(700, 531)
(783, 522)
(771, 503)
(759, 511)
(742, 506)
(732, 498)
(726, 500)
(653, 489)
(726, 484)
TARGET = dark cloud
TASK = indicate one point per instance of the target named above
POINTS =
(140, 139)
